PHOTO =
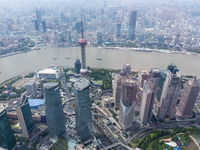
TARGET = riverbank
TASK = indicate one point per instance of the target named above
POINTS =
(111, 48)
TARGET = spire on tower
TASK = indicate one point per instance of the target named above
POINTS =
(82, 35)
(82, 43)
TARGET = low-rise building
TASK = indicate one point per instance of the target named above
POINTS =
(48, 74)
(107, 102)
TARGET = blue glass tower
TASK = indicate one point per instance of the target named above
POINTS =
(132, 25)
(77, 66)
(7, 138)
(54, 110)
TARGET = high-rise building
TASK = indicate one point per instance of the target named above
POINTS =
(154, 73)
(77, 66)
(69, 37)
(82, 97)
(170, 93)
(153, 84)
(117, 91)
(9, 27)
(31, 88)
(143, 75)
(44, 28)
(83, 109)
(37, 27)
(188, 98)
(24, 116)
(7, 138)
(78, 26)
(118, 32)
(132, 25)
(117, 84)
(38, 16)
(145, 103)
(54, 110)
(99, 38)
(127, 68)
(63, 18)
(127, 101)
(161, 81)
(172, 68)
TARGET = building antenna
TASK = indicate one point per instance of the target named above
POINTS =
(82, 35)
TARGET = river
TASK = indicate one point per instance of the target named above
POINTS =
(14, 65)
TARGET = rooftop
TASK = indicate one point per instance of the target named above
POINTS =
(35, 102)
(30, 82)
(155, 69)
(48, 71)
(50, 84)
(82, 83)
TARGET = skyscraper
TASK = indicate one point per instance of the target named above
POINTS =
(82, 97)
(154, 73)
(36, 23)
(118, 32)
(127, 101)
(132, 25)
(117, 84)
(170, 93)
(153, 84)
(117, 91)
(69, 37)
(161, 81)
(143, 75)
(25, 119)
(145, 103)
(77, 66)
(188, 98)
(99, 38)
(7, 138)
(54, 110)
(78, 26)
(44, 28)
(38, 16)
(31, 88)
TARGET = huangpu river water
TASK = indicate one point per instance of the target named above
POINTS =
(14, 65)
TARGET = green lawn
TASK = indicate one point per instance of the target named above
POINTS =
(159, 145)
(61, 144)
(197, 137)
(99, 82)
(192, 146)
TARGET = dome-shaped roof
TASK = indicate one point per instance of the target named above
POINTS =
(83, 71)
(123, 72)
(77, 60)
(127, 67)
(82, 41)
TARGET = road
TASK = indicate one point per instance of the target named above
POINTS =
(130, 138)
(117, 144)
(64, 84)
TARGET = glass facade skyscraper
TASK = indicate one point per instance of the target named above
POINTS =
(25, 118)
(77, 66)
(54, 110)
(83, 109)
(7, 138)
(132, 25)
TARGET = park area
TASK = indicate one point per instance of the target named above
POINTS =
(177, 138)
(61, 144)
